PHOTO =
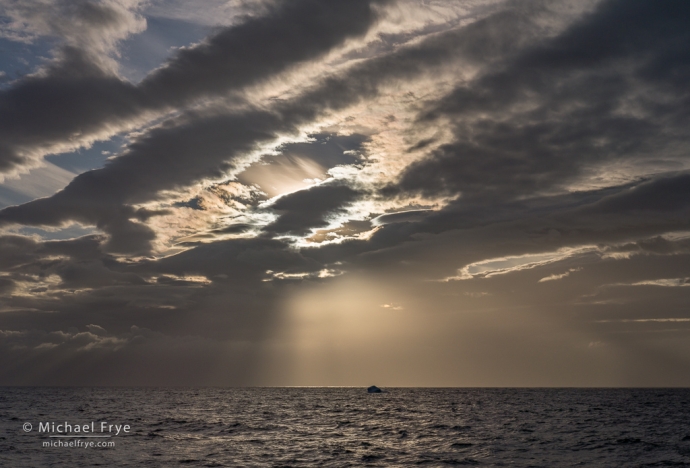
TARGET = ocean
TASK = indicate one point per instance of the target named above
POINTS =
(341, 427)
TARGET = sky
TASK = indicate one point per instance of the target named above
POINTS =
(345, 192)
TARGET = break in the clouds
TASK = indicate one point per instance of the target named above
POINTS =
(340, 192)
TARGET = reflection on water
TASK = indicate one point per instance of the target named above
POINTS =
(349, 427)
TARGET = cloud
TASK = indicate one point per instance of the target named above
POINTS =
(162, 160)
(99, 357)
(665, 194)
(665, 283)
(548, 117)
(75, 96)
(261, 47)
(122, 182)
(555, 277)
(332, 93)
(402, 150)
(96, 27)
(301, 211)
(505, 265)
(238, 261)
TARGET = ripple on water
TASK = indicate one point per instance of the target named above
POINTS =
(343, 427)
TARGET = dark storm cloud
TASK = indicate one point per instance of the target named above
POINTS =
(546, 110)
(79, 263)
(7, 285)
(616, 219)
(171, 156)
(16, 251)
(261, 47)
(237, 261)
(91, 282)
(163, 159)
(171, 294)
(73, 95)
(477, 44)
(531, 163)
(306, 209)
(595, 93)
(655, 245)
(666, 194)
(73, 282)
(76, 96)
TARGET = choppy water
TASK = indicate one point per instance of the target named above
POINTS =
(348, 427)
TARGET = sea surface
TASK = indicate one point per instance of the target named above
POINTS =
(339, 427)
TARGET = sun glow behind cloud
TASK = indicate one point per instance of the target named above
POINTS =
(430, 192)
